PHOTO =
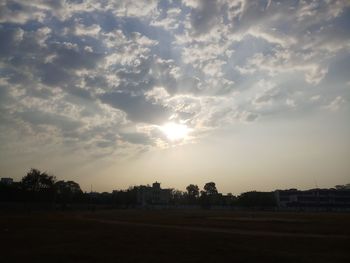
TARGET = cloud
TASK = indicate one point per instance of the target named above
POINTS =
(137, 108)
(268, 96)
(45, 118)
(335, 104)
(141, 9)
(203, 16)
(171, 21)
(248, 116)
(91, 73)
(137, 138)
(19, 12)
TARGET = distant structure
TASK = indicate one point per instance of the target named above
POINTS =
(6, 180)
(326, 198)
(147, 195)
(343, 187)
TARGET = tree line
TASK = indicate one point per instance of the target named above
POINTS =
(40, 187)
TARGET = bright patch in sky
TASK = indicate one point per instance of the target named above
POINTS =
(174, 131)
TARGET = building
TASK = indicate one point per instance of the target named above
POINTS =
(155, 195)
(326, 198)
(6, 180)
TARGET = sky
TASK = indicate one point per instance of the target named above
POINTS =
(249, 94)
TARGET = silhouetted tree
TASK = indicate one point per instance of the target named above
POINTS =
(36, 181)
(38, 186)
(68, 192)
(177, 197)
(210, 188)
(229, 199)
(209, 196)
(192, 192)
(69, 187)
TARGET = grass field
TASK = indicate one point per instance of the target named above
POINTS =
(175, 236)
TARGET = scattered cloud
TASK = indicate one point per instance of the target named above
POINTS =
(335, 104)
(105, 74)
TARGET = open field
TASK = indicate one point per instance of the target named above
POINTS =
(175, 236)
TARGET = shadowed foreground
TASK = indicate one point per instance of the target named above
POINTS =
(175, 236)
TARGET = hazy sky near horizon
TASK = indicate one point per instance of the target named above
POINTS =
(248, 94)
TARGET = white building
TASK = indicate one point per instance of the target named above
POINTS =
(327, 198)
(153, 195)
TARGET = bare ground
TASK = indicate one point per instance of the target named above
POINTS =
(175, 236)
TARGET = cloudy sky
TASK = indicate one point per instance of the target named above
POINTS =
(248, 94)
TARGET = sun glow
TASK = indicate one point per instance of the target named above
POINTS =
(174, 131)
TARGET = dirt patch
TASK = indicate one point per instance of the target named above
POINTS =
(171, 236)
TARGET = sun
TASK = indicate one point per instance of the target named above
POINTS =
(174, 131)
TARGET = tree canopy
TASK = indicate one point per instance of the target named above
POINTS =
(36, 181)
(210, 188)
(192, 191)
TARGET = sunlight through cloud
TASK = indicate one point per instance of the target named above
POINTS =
(174, 131)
